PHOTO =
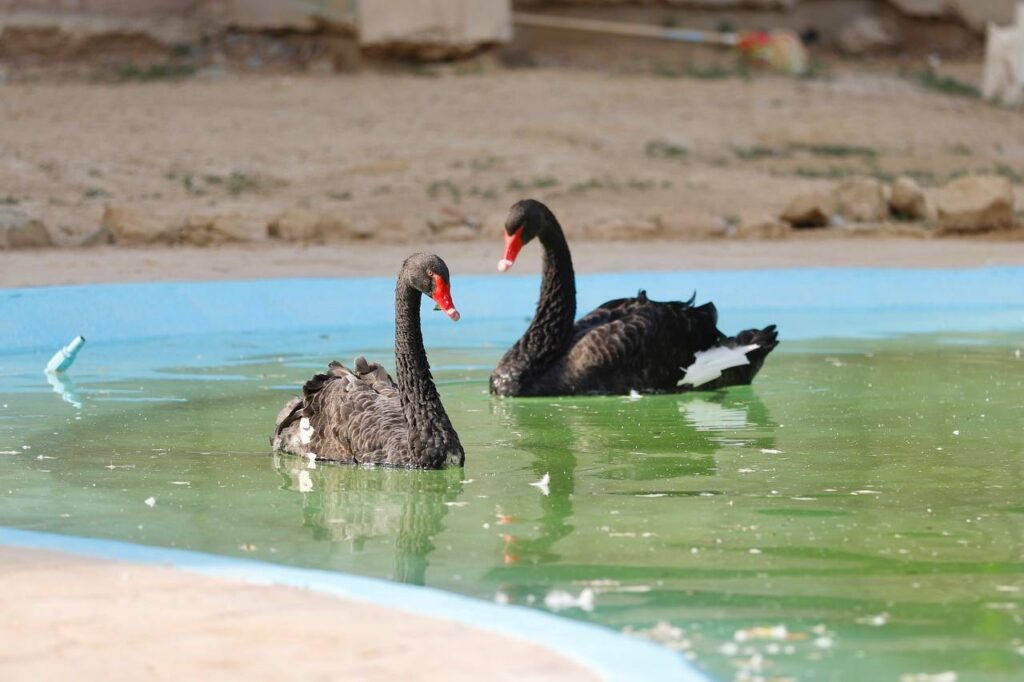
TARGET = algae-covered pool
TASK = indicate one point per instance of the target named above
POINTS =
(856, 514)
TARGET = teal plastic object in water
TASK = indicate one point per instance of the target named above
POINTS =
(65, 357)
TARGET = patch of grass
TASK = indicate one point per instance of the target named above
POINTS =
(961, 149)
(713, 72)
(947, 85)
(339, 196)
(586, 186)
(661, 149)
(757, 153)
(95, 193)
(9, 200)
(538, 182)
(239, 183)
(440, 187)
(640, 184)
(832, 173)
(836, 150)
(1009, 172)
(381, 190)
(488, 193)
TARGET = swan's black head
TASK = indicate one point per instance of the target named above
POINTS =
(428, 274)
(526, 220)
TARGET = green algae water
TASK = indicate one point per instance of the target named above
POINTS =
(857, 514)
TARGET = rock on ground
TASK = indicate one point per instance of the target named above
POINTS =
(907, 200)
(19, 231)
(861, 200)
(975, 203)
(132, 226)
(809, 210)
(222, 229)
(302, 225)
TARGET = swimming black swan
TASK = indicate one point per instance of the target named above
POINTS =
(362, 416)
(624, 345)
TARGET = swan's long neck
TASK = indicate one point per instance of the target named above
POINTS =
(432, 440)
(546, 338)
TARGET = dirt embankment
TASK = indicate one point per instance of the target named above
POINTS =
(441, 155)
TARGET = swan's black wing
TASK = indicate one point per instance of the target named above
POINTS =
(346, 416)
(633, 344)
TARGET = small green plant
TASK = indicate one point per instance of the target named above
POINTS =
(661, 149)
(440, 187)
(239, 182)
(757, 153)
(488, 193)
(339, 196)
(946, 85)
(95, 193)
(10, 200)
(836, 150)
(831, 173)
(538, 182)
(961, 149)
(1009, 172)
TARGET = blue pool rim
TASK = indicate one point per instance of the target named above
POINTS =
(806, 303)
(606, 653)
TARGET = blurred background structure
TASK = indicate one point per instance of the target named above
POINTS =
(207, 122)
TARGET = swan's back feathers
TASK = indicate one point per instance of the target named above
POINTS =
(346, 416)
(631, 343)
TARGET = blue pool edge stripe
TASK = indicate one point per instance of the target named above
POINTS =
(607, 653)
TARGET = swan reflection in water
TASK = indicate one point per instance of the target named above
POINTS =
(679, 436)
(353, 506)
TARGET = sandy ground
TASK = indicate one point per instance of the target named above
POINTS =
(87, 266)
(67, 617)
(441, 155)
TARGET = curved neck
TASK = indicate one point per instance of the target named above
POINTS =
(432, 440)
(551, 329)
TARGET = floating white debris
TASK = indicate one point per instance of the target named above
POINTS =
(150, 501)
(729, 649)
(651, 495)
(956, 432)
(558, 600)
(745, 471)
(1007, 588)
(501, 598)
(181, 483)
(456, 504)
(770, 451)
(866, 492)
(877, 620)
(542, 484)
(754, 550)
(823, 642)
(948, 676)
(10, 452)
(761, 632)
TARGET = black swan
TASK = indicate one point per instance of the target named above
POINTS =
(629, 344)
(361, 416)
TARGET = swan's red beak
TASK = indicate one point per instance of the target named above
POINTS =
(513, 242)
(443, 297)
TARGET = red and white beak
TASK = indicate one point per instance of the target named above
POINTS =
(443, 297)
(513, 243)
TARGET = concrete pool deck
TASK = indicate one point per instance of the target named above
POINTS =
(78, 617)
(151, 264)
(87, 608)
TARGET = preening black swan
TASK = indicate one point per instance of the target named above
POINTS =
(361, 416)
(624, 345)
